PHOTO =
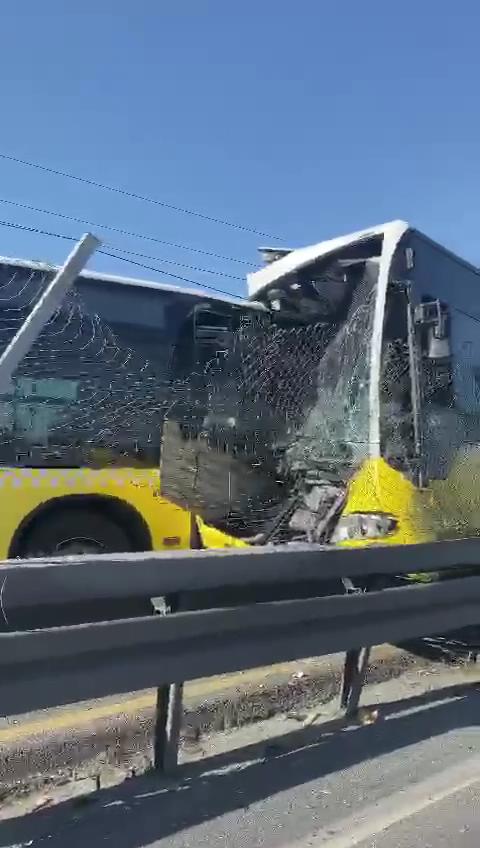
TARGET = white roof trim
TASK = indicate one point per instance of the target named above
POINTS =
(126, 281)
(273, 273)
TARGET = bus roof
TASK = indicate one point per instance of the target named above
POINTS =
(299, 258)
(46, 267)
(296, 259)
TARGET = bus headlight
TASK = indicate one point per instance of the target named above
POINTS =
(362, 525)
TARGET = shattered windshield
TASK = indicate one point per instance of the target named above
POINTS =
(283, 398)
(334, 429)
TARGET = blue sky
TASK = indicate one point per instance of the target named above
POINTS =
(302, 120)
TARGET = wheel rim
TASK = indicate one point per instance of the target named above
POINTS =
(79, 545)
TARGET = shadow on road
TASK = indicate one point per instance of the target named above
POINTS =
(145, 809)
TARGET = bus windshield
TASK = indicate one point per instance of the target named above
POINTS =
(282, 398)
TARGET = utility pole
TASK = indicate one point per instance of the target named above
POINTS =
(43, 311)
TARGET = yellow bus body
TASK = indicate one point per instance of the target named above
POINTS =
(25, 492)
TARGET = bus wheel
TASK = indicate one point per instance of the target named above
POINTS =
(74, 531)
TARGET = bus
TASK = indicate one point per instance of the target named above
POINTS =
(80, 425)
(340, 406)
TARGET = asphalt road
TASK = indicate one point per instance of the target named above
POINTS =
(409, 779)
(453, 822)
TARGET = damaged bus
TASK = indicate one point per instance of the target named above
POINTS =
(341, 404)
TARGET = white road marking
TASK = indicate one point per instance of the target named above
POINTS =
(376, 818)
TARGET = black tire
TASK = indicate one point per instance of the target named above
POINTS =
(74, 530)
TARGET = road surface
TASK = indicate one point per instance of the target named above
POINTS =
(408, 779)
(453, 822)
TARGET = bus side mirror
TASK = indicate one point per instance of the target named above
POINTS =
(438, 347)
(433, 315)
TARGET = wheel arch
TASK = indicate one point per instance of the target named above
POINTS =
(117, 510)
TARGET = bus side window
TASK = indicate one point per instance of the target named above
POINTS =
(37, 406)
(443, 418)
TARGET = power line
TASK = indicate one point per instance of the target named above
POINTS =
(122, 232)
(129, 252)
(12, 225)
(135, 196)
(25, 228)
(174, 262)
(167, 273)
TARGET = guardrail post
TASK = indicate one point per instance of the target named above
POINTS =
(169, 706)
(168, 713)
(356, 662)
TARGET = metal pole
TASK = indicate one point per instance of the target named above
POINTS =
(160, 729)
(42, 312)
(358, 681)
(349, 671)
(169, 710)
(356, 663)
(169, 706)
(166, 743)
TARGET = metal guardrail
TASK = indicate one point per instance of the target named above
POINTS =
(53, 666)
(58, 580)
